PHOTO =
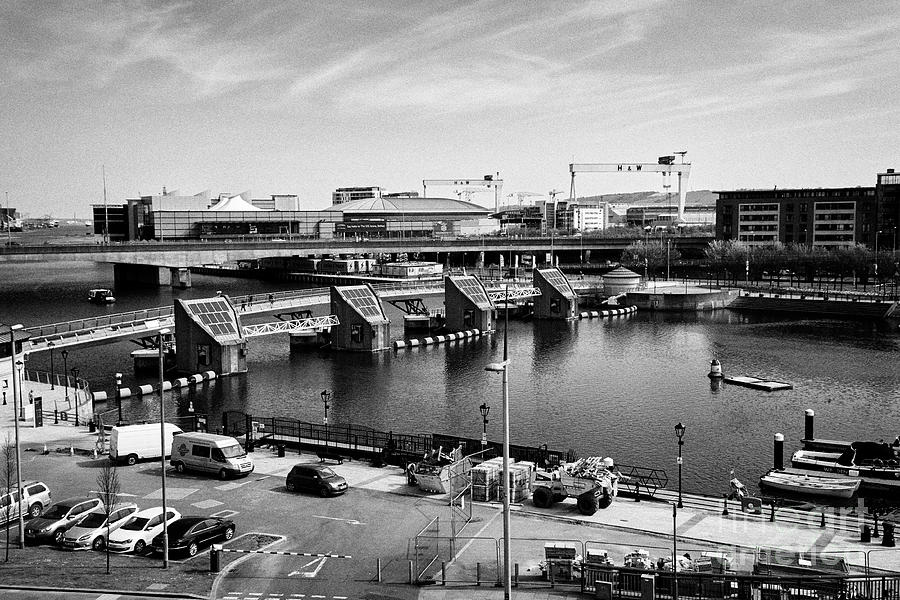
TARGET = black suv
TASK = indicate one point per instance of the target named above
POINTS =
(312, 477)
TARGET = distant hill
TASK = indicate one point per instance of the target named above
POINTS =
(696, 198)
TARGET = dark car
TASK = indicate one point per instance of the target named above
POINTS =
(57, 519)
(312, 477)
(188, 534)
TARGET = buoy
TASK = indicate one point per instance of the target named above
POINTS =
(94, 453)
(45, 452)
(715, 369)
(71, 451)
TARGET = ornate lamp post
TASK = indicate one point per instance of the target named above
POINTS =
(326, 396)
(119, 395)
(679, 432)
(51, 345)
(485, 409)
(65, 355)
(75, 392)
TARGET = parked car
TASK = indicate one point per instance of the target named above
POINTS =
(35, 497)
(56, 520)
(91, 531)
(188, 534)
(140, 530)
(312, 477)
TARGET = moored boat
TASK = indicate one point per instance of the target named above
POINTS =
(812, 484)
(101, 296)
(876, 464)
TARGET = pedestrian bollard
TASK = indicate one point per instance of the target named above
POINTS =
(865, 535)
(887, 534)
(822, 523)
(772, 513)
(215, 558)
(725, 509)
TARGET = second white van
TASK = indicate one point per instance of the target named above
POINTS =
(131, 443)
(211, 453)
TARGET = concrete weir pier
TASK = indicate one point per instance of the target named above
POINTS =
(680, 297)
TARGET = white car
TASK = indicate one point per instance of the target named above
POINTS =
(91, 531)
(137, 533)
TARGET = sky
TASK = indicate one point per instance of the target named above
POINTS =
(305, 97)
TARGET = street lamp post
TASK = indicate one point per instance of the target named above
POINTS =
(75, 392)
(51, 345)
(326, 396)
(485, 409)
(679, 431)
(65, 355)
(162, 448)
(503, 367)
(119, 395)
(12, 342)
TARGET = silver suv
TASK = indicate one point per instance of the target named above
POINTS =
(35, 498)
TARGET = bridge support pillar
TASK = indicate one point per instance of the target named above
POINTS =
(180, 277)
(141, 275)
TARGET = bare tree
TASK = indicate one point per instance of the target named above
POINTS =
(108, 488)
(8, 474)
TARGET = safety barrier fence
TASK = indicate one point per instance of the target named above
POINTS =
(586, 565)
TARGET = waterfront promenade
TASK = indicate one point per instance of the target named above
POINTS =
(624, 526)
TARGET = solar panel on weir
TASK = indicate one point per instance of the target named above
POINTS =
(473, 290)
(363, 301)
(215, 316)
(555, 278)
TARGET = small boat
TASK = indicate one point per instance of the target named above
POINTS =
(875, 463)
(101, 296)
(816, 485)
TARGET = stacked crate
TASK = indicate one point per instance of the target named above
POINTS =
(520, 479)
(485, 482)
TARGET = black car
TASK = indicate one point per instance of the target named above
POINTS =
(188, 534)
(312, 477)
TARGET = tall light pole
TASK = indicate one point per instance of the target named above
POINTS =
(12, 342)
(65, 355)
(485, 409)
(75, 392)
(51, 345)
(504, 368)
(162, 447)
(679, 432)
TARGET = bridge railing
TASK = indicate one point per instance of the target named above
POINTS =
(99, 322)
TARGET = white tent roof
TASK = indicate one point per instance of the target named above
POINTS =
(234, 204)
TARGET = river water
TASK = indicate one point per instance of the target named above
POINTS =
(600, 387)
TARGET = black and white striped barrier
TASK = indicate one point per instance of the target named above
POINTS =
(215, 555)
(439, 339)
(600, 314)
(281, 553)
(181, 382)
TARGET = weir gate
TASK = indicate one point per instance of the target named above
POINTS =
(211, 334)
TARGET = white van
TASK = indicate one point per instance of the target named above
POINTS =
(131, 443)
(219, 454)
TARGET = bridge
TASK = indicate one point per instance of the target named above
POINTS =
(144, 325)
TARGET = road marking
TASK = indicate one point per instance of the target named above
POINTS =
(347, 521)
(108, 597)
(205, 504)
(224, 514)
(171, 493)
(314, 572)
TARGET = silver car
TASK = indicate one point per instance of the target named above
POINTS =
(91, 532)
(56, 520)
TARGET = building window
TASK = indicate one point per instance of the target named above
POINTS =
(356, 333)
